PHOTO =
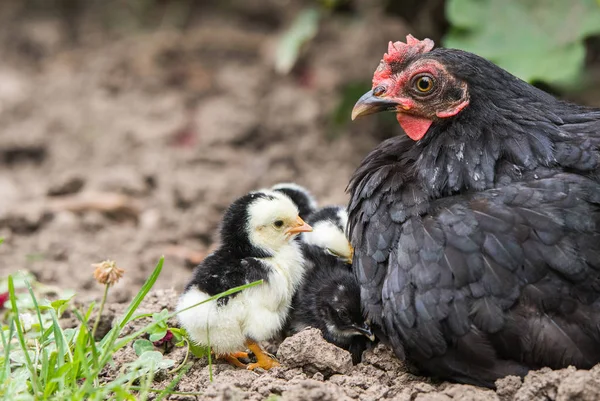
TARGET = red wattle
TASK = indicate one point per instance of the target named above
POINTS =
(415, 127)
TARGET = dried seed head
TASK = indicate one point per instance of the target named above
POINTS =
(107, 272)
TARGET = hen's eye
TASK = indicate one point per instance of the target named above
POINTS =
(424, 84)
(378, 91)
(278, 223)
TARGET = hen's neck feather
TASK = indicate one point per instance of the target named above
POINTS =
(494, 141)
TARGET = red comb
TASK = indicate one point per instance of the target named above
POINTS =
(398, 51)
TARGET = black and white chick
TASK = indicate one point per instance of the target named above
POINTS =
(329, 300)
(301, 196)
(257, 242)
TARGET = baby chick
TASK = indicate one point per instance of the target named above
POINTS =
(303, 199)
(329, 300)
(257, 242)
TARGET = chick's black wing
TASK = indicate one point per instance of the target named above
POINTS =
(480, 282)
(219, 273)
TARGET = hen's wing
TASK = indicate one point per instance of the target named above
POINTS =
(484, 285)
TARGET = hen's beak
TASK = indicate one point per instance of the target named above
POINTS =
(371, 104)
(365, 330)
(300, 227)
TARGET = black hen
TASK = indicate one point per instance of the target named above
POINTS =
(477, 237)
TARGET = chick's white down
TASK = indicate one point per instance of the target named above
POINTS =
(259, 312)
(327, 235)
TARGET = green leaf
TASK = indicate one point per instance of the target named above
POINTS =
(142, 345)
(177, 336)
(158, 335)
(162, 315)
(60, 305)
(154, 359)
(302, 30)
(533, 39)
(19, 357)
(199, 351)
(161, 318)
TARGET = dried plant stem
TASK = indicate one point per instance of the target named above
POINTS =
(97, 322)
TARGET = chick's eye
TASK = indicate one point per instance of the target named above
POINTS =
(278, 224)
(424, 84)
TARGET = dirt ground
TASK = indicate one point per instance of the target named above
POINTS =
(315, 370)
(129, 147)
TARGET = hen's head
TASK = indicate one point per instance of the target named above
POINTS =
(411, 81)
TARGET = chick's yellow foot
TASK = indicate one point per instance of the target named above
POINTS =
(266, 364)
(239, 355)
(263, 360)
(233, 359)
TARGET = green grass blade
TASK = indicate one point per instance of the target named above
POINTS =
(6, 344)
(88, 339)
(21, 336)
(36, 306)
(221, 295)
(60, 340)
(83, 366)
(48, 374)
(210, 364)
(142, 294)
(88, 314)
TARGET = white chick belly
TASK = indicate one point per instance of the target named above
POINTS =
(269, 303)
(224, 324)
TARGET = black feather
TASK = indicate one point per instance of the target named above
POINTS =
(237, 261)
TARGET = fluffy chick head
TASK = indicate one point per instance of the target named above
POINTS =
(329, 225)
(338, 304)
(273, 221)
(303, 199)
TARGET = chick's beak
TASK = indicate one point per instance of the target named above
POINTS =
(300, 227)
(365, 330)
(371, 104)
